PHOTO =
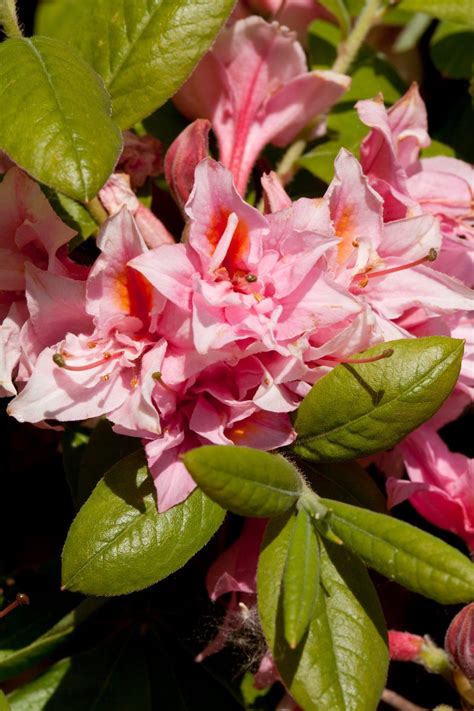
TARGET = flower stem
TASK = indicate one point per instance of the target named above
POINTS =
(371, 13)
(399, 702)
(97, 210)
(9, 19)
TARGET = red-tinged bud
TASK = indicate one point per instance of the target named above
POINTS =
(141, 158)
(459, 641)
(404, 646)
(187, 150)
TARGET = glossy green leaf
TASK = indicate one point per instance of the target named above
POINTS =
(415, 559)
(75, 215)
(345, 481)
(341, 663)
(453, 10)
(452, 50)
(113, 677)
(144, 50)
(323, 41)
(436, 148)
(300, 584)
(378, 403)
(119, 542)
(14, 658)
(372, 74)
(246, 481)
(56, 116)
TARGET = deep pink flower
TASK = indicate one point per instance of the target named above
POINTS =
(404, 646)
(182, 157)
(258, 91)
(459, 641)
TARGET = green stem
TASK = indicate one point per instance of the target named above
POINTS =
(97, 210)
(9, 19)
(371, 13)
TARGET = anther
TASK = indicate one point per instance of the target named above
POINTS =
(251, 278)
(58, 358)
(105, 378)
(365, 276)
(156, 375)
(21, 599)
(355, 243)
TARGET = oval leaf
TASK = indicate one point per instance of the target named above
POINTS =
(341, 663)
(4, 705)
(378, 403)
(415, 559)
(246, 481)
(119, 543)
(300, 578)
(144, 50)
(56, 116)
(453, 10)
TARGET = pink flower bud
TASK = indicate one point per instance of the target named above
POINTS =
(141, 157)
(187, 150)
(404, 647)
(459, 641)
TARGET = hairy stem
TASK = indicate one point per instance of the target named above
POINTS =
(9, 19)
(97, 210)
(371, 13)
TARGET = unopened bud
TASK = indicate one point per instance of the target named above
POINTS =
(404, 646)
(459, 641)
(187, 150)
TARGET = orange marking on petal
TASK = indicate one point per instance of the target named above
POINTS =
(344, 227)
(135, 295)
(239, 246)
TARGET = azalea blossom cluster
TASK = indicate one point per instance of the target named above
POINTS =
(218, 337)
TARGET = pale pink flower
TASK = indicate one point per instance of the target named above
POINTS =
(182, 157)
(258, 91)
(117, 193)
(295, 14)
(440, 186)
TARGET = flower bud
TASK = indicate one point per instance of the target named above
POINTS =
(186, 151)
(404, 647)
(141, 157)
(459, 641)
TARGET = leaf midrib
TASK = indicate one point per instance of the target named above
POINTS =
(447, 362)
(67, 129)
(416, 558)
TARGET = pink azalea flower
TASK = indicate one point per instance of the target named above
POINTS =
(182, 157)
(295, 14)
(440, 186)
(93, 370)
(258, 91)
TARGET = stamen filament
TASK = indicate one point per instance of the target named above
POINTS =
(363, 277)
(21, 599)
(385, 354)
(60, 361)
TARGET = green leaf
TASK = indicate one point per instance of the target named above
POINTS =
(378, 403)
(339, 9)
(113, 677)
(246, 481)
(341, 663)
(373, 74)
(74, 214)
(15, 658)
(436, 148)
(401, 552)
(452, 50)
(56, 117)
(452, 10)
(323, 40)
(300, 578)
(4, 705)
(119, 543)
(144, 50)
(348, 482)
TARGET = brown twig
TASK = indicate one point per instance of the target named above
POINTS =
(399, 702)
